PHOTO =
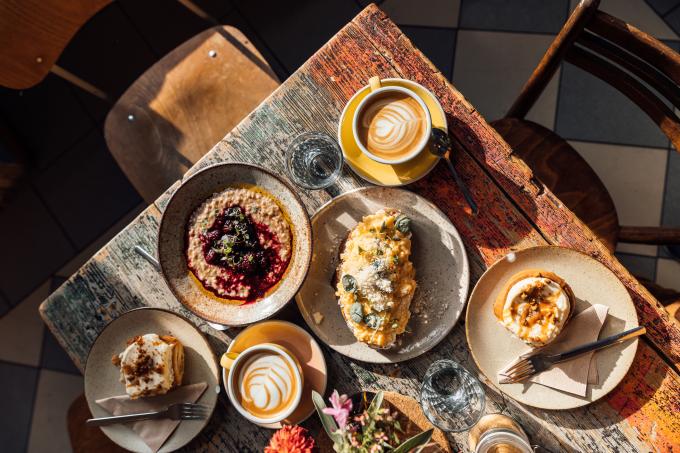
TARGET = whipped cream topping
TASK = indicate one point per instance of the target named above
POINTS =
(535, 310)
(146, 366)
(267, 384)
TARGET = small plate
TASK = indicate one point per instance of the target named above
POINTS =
(172, 236)
(298, 341)
(385, 174)
(438, 255)
(102, 377)
(493, 347)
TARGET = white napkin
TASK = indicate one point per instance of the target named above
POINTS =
(574, 375)
(154, 433)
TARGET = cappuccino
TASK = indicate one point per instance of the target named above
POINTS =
(392, 125)
(267, 384)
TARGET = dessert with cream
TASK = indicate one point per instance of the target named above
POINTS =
(151, 365)
(376, 279)
(534, 305)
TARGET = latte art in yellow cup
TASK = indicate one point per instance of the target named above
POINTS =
(265, 383)
(392, 124)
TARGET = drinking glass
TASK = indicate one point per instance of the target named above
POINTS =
(314, 160)
(451, 397)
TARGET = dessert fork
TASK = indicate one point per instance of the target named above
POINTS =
(534, 362)
(183, 411)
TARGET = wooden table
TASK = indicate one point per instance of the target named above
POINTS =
(517, 211)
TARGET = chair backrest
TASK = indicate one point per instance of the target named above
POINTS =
(183, 105)
(620, 54)
(34, 33)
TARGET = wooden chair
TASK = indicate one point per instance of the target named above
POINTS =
(184, 104)
(602, 45)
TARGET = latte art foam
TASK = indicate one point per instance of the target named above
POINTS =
(392, 126)
(267, 384)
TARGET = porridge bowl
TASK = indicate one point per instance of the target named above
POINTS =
(234, 244)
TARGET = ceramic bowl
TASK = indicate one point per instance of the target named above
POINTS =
(172, 244)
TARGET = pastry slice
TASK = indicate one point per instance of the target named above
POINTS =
(376, 279)
(534, 305)
(151, 365)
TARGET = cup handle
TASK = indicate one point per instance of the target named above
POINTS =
(227, 360)
(374, 83)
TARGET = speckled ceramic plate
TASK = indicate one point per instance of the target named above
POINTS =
(102, 378)
(171, 243)
(442, 273)
(493, 347)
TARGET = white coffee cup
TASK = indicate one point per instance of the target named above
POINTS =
(249, 356)
(377, 90)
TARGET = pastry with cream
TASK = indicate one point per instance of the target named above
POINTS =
(534, 305)
(151, 365)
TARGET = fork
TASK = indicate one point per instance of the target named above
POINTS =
(183, 411)
(533, 362)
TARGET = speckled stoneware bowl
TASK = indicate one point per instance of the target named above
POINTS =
(172, 245)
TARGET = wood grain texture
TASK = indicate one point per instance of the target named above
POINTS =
(33, 34)
(184, 104)
(116, 279)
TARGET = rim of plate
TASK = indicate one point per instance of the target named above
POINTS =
(466, 267)
(360, 173)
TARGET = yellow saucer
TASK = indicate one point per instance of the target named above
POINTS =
(385, 174)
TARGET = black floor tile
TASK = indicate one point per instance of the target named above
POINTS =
(640, 266)
(54, 357)
(294, 30)
(46, 119)
(438, 44)
(17, 388)
(86, 190)
(216, 8)
(4, 305)
(671, 199)
(592, 110)
(108, 52)
(32, 245)
(164, 25)
(542, 16)
(662, 6)
(673, 19)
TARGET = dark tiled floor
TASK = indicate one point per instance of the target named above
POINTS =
(641, 266)
(592, 110)
(33, 245)
(662, 7)
(437, 43)
(541, 16)
(54, 357)
(17, 389)
(671, 202)
(86, 190)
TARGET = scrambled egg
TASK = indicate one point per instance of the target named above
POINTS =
(376, 278)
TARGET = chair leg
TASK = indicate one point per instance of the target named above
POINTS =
(80, 83)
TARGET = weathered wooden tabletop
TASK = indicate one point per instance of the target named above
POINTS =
(517, 211)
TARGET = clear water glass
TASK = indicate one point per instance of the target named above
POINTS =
(314, 160)
(451, 398)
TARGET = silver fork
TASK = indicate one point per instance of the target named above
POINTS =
(182, 411)
(533, 363)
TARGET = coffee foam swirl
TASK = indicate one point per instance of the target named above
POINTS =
(267, 384)
(392, 126)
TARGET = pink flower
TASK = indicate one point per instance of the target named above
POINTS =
(342, 406)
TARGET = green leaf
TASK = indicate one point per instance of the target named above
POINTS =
(327, 421)
(349, 283)
(403, 224)
(415, 441)
(356, 312)
(376, 403)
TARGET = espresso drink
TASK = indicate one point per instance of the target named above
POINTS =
(266, 384)
(392, 125)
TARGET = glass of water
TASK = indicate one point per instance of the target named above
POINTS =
(314, 160)
(451, 398)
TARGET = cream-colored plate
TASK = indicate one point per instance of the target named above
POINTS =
(442, 273)
(102, 378)
(493, 347)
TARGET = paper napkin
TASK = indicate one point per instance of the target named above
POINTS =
(574, 375)
(154, 433)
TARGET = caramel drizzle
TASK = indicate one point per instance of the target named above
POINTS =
(542, 308)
